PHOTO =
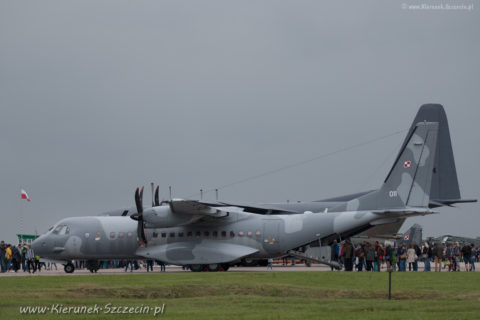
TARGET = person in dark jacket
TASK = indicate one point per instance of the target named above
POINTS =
(334, 252)
(379, 255)
(438, 256)
(418, 252)
(388, 256)
(402, 257)
(467, 254)
(360, 255)
(348, 256)
(369, 256)
(426, 256)
(3, 261)
(16, 258)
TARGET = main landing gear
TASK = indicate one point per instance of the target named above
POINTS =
(214, 267)
(93, 266)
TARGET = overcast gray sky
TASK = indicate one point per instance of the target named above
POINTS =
(99, 97)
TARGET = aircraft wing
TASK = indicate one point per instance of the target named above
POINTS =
(253, 208)
(221, 209)
(204, 252)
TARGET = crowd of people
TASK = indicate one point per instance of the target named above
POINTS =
(22, 257)
(368, 257)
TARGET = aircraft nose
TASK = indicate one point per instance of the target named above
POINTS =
(40, 245)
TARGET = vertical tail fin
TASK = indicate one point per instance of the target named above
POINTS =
(423, 174)
(409, 182)
(444, 180)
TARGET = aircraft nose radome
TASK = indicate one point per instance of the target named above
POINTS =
(36, 244)
(39, 245)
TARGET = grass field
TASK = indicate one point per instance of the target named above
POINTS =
(274, 295)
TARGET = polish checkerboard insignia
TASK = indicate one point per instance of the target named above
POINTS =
(407, 164)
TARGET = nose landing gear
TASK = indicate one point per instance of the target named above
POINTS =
(69, 268)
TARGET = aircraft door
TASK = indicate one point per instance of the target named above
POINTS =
(271, 234)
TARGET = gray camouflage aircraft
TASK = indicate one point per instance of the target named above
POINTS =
(214, 235)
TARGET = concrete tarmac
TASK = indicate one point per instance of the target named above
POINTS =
(178, 269)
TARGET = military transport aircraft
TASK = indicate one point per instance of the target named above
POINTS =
(213, 235)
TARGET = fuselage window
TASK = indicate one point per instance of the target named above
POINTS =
(258, 234)
(214, 234)
(120, 235)
(206, 233)
(172, 234)
(129, 234)
(249, 234)
(164, 235)
(189, 234)
(155, 234)
(224, 234)
(198, 234)
(112, 235)
(87, 235)
(240, 234)
(232, 234)
(180, 234)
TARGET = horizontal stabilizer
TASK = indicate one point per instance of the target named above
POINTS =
(448, 202)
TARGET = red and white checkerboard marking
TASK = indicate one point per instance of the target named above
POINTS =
(407, 164)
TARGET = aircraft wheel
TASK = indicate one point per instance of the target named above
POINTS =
(69, 268)
(213, 267)
(93, 265)
(196, 267)
(225, 267)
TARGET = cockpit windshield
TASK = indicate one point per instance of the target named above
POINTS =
(61, 230)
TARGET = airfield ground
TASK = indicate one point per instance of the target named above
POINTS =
(246, 295)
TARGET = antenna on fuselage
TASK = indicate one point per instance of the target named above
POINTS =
(170, 191)
(201, 194)
(216, 194)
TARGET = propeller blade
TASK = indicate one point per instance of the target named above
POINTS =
(141, 197)
(157, 200)
(139, 216)
(141, 232)
(138, 201)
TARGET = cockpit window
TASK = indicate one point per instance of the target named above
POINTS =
(65, 230)
(57, 229)
(61, 230)
(50, 229)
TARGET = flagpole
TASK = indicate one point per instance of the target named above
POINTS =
(21, 221)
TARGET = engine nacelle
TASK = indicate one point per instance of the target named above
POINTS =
(163, 217)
